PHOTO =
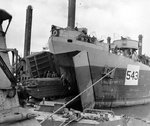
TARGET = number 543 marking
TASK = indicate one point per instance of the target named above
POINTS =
(132, 75)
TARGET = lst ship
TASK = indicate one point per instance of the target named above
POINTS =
(83, 60)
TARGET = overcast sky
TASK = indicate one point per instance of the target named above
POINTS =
(103, 18)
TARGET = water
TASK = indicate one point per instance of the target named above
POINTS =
(140, 111)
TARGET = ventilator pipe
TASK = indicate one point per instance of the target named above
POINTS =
(140, 44)
(109, 41)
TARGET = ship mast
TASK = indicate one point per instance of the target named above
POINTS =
(71, 13)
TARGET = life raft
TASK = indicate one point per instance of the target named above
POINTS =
(55, 32)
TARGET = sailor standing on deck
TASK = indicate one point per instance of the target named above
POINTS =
(134, 56)
(65, 81)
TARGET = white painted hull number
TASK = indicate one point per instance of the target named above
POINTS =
(132, 75)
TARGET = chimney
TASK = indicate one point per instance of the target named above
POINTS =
(71, 13)
(109, 41)
(140, 44)
(28, 27)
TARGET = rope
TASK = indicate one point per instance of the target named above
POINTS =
(62, 123)
(70, 121)
(78, 95)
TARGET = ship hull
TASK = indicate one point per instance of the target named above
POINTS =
(112, 92)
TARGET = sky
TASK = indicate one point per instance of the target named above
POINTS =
(102, 18)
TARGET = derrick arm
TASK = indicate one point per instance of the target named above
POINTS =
(7, 72)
